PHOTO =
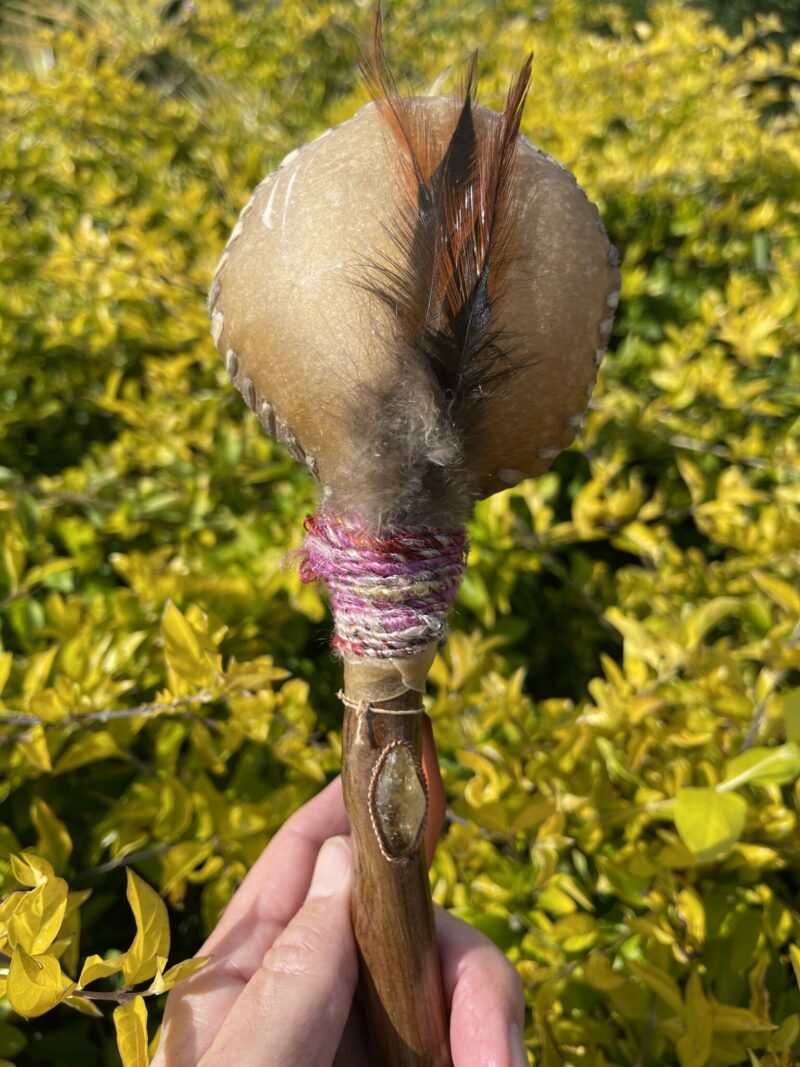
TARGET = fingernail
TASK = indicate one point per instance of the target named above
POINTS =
(519, 1055)
(332, 870)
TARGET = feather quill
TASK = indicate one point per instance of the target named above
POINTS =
(449, 257)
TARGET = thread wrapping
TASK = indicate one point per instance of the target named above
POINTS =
(364, 707)
(391, 592)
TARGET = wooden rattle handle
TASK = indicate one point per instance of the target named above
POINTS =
(386, 798)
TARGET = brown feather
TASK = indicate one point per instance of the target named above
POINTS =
(448, 262)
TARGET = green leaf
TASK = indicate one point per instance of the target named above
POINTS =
(130, 1022)
(12, 1040)
(709, 822)
(787, 1033)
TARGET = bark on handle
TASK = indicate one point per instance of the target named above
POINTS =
(401, 982)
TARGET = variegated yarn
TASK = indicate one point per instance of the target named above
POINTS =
(391, 592)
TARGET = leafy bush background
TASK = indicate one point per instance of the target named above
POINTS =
(630, 624)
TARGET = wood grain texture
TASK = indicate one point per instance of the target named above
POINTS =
(393, 920)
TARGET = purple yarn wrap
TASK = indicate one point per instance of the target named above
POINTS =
(391, 592)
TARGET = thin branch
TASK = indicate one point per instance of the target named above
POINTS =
(649, 1032)
(121, 997)
(690, 445)
(152, 710)
(123, 861)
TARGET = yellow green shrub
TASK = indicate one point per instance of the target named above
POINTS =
(618, 706)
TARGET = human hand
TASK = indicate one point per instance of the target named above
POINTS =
(279, 991)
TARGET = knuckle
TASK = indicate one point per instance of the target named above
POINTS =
(299, 949)
(498, 974)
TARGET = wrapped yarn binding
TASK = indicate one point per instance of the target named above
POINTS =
(391, 593)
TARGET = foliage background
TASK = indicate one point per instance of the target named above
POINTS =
(624, 655)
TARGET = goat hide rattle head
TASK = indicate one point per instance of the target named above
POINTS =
(416, 304)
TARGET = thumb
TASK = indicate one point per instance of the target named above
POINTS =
(294, 1008)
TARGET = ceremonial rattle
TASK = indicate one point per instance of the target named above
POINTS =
(415, 304)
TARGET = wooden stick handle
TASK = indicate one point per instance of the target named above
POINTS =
(386, 798)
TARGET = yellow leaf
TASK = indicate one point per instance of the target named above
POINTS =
(662, 984)
(38, 916)
(794, 956)
(183, 649)
(707, 616)
(180, 861)
(54, 839)
(43, 571)
(87, 749)
(152, 931)
(95, 967)
(728, 1019)
(694, 1046)
(6, 659)
(35, 984)
(130, 1021)
(692, 914)
(764, 766)
(30, 869)
(784, 594)
(34, 749)
(599, 974)
(708, 821)
(179, 973)
(575, 933)
(38, 672)
(71, 929)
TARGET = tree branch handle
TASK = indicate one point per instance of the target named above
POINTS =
(386, 798)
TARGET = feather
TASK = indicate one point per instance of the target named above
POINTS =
(449, 243)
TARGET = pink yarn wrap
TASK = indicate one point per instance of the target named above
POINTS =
(391, 592)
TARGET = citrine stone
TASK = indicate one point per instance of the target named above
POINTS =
(398, 801)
